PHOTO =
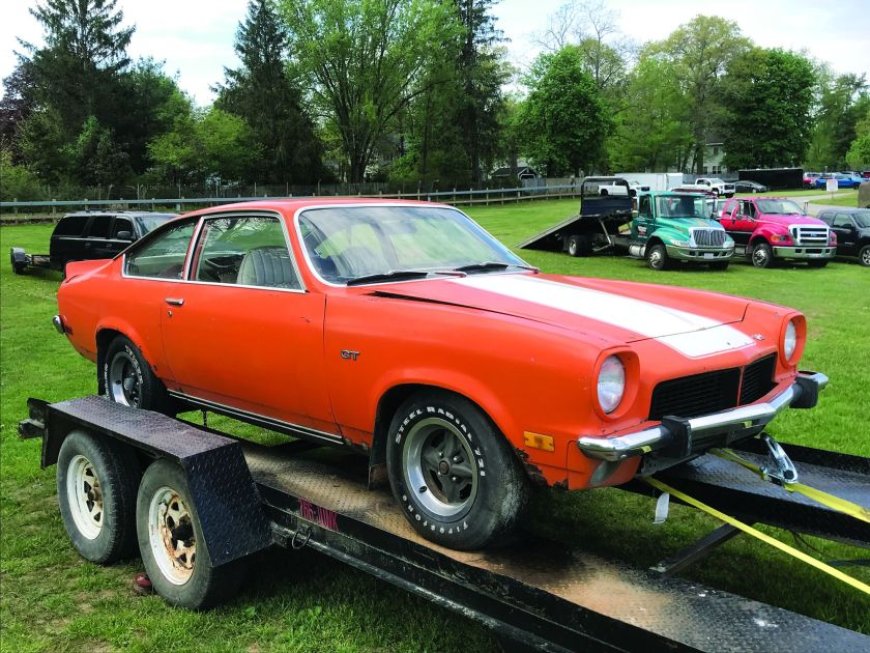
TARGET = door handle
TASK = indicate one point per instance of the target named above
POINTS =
(174, 301)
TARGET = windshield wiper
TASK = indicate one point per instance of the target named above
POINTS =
(486, 266)
(400, 275)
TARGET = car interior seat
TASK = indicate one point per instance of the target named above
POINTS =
(267, 266)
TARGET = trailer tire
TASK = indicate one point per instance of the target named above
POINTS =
(96, 490)
(172, 545)
(657, 258)
(440, 447)
(128, 379)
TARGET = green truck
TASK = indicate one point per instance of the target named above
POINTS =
(666, 227)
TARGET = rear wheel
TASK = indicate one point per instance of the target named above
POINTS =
(864, 256)
(577, 245)
(762, 255)
(172, 546)
(128, 379)
(657, 257)
(96, 490)
(452, 472)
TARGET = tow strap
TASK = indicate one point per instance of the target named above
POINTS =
(782, 473)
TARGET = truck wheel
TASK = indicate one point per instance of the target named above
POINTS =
(817, 264)
(171, 543)
(452, 472)
(762, 255)
(657, 257)
(96, 490)
(864, 256)
(577, 245)
(128, 379)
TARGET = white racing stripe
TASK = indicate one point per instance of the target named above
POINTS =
(692, 335)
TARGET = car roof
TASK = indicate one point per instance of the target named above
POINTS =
(129, 214)
(289, 206)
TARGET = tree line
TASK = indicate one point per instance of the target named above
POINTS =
(412, 92)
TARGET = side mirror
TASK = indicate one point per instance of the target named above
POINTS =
(124, 235)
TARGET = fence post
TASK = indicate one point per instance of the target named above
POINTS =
(15, 210)
(53, 207)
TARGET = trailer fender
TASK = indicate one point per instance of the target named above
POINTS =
(234, 524)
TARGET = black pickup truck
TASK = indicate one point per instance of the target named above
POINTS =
(89, 235)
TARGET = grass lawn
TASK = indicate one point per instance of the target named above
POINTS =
(846, 198)
(301, 601)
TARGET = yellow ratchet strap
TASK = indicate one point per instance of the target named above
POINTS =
(782, 546)
(819, 496)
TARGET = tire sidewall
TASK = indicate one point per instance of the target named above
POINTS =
(476, 525)
(664, 258)
(194, 593)
(111, 466)
(864, 256)
(768, 259)
(153, 395)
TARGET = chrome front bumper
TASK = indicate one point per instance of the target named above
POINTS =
(716, 429)
(700, 254)
(804, 252)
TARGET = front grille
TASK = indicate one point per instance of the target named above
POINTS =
(809, 235)
(711, 392)
(709, 237)
(757, 380)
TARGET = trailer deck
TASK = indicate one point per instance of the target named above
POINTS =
(533, 594)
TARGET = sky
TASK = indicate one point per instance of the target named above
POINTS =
(195, 37)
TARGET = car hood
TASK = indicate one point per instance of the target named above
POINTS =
(685, 224)
(691, 322)
(781, 218)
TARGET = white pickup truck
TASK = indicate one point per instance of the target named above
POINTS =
(715, 185)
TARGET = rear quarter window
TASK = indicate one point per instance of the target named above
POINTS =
(71, 225)
(101, 226)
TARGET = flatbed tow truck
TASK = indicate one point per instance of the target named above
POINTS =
(534, 596)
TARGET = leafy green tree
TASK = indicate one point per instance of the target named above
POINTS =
(700, 52)
(364, 62)
(843, 100)
(96, 157)
(17, 182)
(858, 156)
(45, 147)
(563, 121)
(650, 133)
(767, 97)
(262, 92)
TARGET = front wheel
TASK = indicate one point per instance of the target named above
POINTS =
(128, 379)
(762, 255)
(452, 472)
(172, 545)
(96, 490)
(657, 257)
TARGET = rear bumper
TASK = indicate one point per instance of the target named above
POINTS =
(687, 436)
(804, 252)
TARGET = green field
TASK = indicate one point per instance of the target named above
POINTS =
(53, 601)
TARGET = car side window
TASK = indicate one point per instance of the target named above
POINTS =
(645, 209)
(162, 256)
(245, 251)
(120, 225)
(72, 225)
(101, 226)
(842, 220)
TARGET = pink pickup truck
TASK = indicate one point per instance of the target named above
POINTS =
(768, 229)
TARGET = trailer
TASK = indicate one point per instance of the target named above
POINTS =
(224, 499)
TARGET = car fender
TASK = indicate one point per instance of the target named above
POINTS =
(670, 236)
(126, 329)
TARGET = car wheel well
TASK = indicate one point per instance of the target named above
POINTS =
(104, 337)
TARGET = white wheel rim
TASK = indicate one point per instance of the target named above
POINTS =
(171, 536)
(85, 496)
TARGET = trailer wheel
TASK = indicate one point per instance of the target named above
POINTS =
(452, 472)
(18, 260)
(577, 245)
(762, 255)
(96, 490)
(171, 542)
(657, 257)
(128, 379)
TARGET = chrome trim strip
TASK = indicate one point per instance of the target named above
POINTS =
(57, 321)
(261, 420)
(744, 417)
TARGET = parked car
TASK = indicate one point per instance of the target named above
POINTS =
(865, 174)
(843, 181)
(718, 186)
(852, 227)
(770, 229)
(810, 179)
(749, 186)
(87, 235)
(612, 187)
(404, 331)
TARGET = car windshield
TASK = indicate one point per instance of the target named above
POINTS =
(682, 207)
(357, 244)
(782, 207)
(151, 222)
(862, 218)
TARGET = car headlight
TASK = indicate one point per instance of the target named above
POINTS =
(789, 340)
(611, 383)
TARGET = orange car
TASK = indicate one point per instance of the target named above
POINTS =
(405, 331)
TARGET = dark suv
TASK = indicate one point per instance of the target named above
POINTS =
(89, 235)
(852, 227)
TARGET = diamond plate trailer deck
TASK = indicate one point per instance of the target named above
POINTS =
(534, 595)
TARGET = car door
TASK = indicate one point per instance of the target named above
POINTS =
(242, 332)
(847, 234)
(96, 243)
